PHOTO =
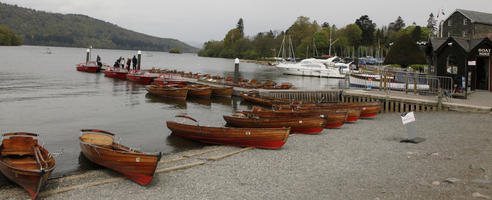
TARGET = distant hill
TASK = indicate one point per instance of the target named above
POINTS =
(73, 30)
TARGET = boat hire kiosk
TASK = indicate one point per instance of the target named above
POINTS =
(467, 61)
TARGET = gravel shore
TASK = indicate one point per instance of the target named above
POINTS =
(362, 160)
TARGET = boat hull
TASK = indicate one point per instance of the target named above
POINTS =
(138, 167)
(84, 67)
(297, 125)
(139, 79)
(168, 92)
(26, 172)
(264, 100)
(334, 118)
(113, 74)
(203, 93)
(222, 91)
(269, 138)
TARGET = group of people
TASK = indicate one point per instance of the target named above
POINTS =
(120, 62)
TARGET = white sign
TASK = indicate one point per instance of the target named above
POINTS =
(483, 52)
(407, 118)
(472, 63)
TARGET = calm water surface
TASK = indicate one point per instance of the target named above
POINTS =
(43, 93)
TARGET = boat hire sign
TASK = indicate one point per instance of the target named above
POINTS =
(407, 118)
(483, 52)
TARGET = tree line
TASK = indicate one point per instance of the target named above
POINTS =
(359, 39)
(9, 38)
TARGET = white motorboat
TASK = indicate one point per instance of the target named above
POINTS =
(313, 67)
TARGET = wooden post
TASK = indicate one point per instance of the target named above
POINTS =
(415, 80)
(439, 99)
(406, 83)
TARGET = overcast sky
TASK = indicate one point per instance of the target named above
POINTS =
(202, 20)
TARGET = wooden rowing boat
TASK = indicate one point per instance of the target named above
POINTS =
(25, 162)
(367, 109)
(297, 125)
(270, 138)
(199, 91)
(99, 147)
(167, 91)
(334, 118)
(352, 115)
(263, 100)
(222, 91)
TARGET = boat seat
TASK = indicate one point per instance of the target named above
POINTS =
(18, 146)
(97, 139)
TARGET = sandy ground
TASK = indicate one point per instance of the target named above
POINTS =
(363, 160)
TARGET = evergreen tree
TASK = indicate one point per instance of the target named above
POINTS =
(431, 23)
(397, 25)
(368, 28)
(240, 27)
(405, 52)
(416, 34)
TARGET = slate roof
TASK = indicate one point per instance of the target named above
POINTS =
(477, 17)
(466, 44)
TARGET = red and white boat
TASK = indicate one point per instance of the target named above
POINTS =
(116, 72)
(170, 79)
(140, 76)
(90, 67)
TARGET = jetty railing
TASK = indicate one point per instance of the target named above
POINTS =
(388, 103)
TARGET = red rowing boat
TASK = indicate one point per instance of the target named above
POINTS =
(25, 162)
(352, 115)
(90, 67)
(270, 138)
(334, 118)
(297, 125)
(367, 109)
(140, 76)
(116, 72)
(99, 147)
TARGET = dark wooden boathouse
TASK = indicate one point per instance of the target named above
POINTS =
(467, 61)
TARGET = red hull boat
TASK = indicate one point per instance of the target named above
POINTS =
(116, 72)
(140, 76)
(269, 138)
(25, 162)
(297, 125)
(90, 67)
(99, 147)
(334, 118)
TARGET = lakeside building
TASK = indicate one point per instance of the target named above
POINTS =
(464, 53)
(467, 24)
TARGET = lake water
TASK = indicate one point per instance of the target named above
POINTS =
(43, 93)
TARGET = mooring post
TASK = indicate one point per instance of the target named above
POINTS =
(139, 59)
(439, 100)
(236, 70)
(415, 80)
(88, 55)
(406, 83)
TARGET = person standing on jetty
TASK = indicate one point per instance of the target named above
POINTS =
(134, 59)
(98, 61)
(122, 62)
(128, 63)
(117, 62)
